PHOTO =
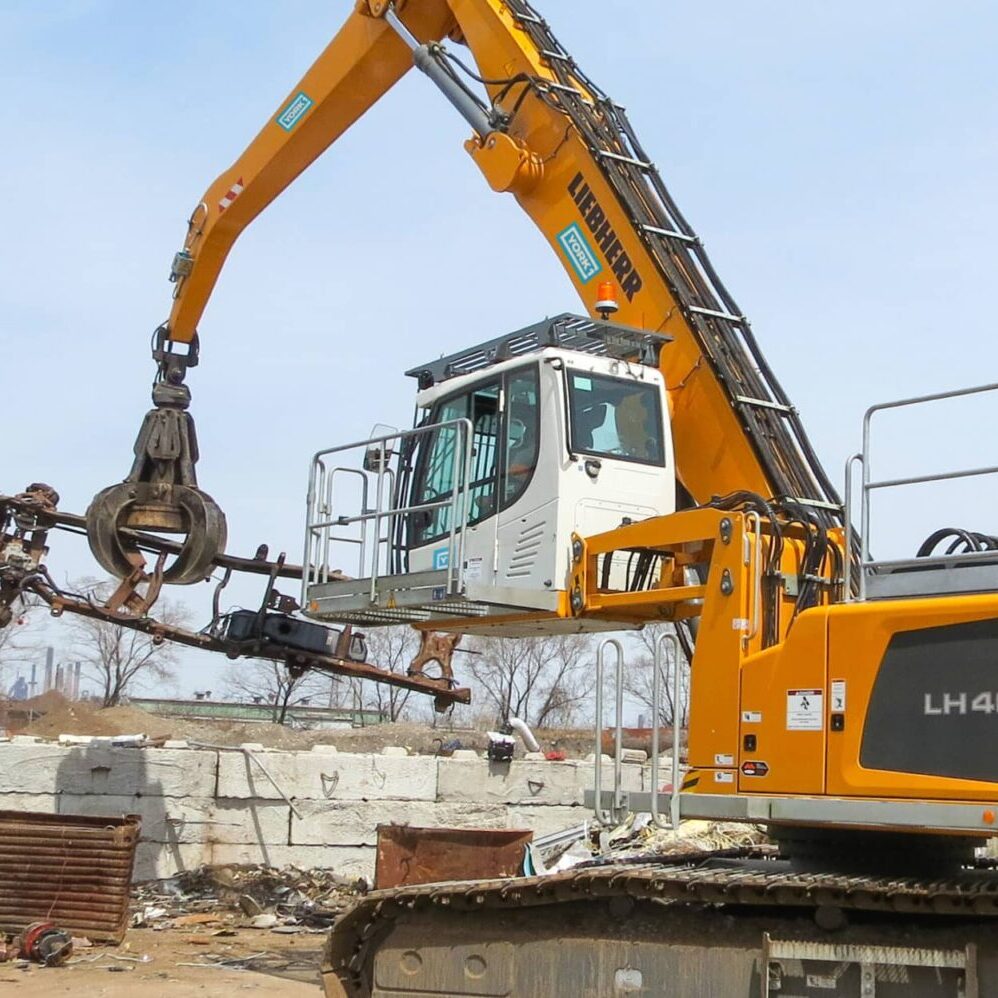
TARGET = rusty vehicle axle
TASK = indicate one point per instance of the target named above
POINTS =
(25, 522)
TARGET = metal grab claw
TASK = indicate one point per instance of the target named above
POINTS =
(202, 521)
(161, 491)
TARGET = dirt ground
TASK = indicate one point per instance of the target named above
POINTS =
(61, 716)
(290, 968)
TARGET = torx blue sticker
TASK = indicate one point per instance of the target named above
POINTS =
(441, 558)
(580, 254)
(295, 111)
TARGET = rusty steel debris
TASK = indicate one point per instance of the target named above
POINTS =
(70, 870)
(25, 522)
(250, 895)
(408, 855)
(46, 943)
(434, 647)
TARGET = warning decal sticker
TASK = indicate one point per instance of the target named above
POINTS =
(838, 695)
(805, 710)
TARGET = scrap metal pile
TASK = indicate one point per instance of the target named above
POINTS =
(270, 632)
(259, 897)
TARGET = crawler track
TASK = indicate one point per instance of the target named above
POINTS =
(753, 878)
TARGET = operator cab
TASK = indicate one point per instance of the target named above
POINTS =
(560, 428)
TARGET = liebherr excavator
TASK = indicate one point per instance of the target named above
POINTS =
(636, 464)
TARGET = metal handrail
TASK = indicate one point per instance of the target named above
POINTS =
(656, 698)
(753, 553)
(847, 556)
(618, 811)
(345, 521)
(321, 518)
(868, 485)
(890, 483)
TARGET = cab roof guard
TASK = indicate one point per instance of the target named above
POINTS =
(567, 331)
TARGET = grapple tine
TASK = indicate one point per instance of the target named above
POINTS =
(161, 491)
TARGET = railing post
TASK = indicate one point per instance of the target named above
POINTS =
(677, 689)
(618, 811)
(847, 557)
(659, 658)
(307, 567)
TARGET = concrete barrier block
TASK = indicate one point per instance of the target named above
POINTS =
(631, 776)
(509, 783)
(311, 776)
(192, 820)
(664, 773)
(103, 769)
(237, 822)
(524, 781)
(42, 803)
(157, 861)
(546, 820)
(356, 822)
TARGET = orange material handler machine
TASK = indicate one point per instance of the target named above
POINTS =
(589, 473)
(748, 538)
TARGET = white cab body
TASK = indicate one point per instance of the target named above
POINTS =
(602, 455)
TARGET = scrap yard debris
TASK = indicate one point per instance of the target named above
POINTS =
(27, 519)
(638, 839)
(216, 899)
(245, 918)
(39, 942)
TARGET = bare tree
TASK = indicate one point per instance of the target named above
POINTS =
(640, 672)
(119, 658)
(543, 680)
(390, 648)
(263, 681)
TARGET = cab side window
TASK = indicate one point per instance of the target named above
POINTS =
(522, 434)
(435, 482)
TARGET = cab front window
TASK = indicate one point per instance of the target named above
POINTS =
(615, 418)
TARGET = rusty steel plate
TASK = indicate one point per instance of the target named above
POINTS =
(68, 869)
(408, 855)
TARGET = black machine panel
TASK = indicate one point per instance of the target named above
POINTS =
(934, 706)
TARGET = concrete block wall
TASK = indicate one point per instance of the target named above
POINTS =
(309, 809)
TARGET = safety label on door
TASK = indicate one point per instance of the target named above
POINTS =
(805, 710)
(473, 570)
(838, 695)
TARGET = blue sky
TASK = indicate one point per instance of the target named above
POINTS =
(839, 161)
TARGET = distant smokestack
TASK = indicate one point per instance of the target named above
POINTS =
(76, 680)
(49, 660)
(59, 679)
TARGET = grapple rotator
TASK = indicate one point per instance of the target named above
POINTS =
(161, 494)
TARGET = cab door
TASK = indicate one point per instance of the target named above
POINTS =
(428, 531)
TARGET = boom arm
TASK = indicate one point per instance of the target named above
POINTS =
(565, 151)
(363, 61)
